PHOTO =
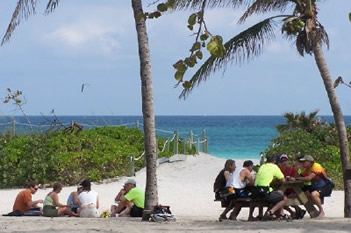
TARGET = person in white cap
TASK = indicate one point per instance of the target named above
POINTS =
(130, 201)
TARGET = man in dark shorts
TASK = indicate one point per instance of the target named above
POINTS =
(321, 185)
(265, 175)
(131, 201)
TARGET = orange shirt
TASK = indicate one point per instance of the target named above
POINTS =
(316, 169)
(22, 199)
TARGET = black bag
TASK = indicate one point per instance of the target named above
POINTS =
(15, 213)
(162, 213)
(259, 191)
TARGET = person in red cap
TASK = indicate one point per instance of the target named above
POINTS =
(289, 172)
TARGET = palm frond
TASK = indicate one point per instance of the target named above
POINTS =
(51, 6)
(240, 48)
(264, 6)
(24, 9)
(197, 4)
(305, 42)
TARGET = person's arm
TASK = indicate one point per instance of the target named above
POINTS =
(307, 178)
(247, 175)
(75, 198)
(120, 194)
(55, 198)
(32, 204)
(97, 202)
(226, 175)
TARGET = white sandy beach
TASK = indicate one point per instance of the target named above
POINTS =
(187, 187)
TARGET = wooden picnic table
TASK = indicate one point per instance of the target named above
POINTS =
(301, 197)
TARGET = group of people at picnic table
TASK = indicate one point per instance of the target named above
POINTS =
(81, 203)
(233, 183)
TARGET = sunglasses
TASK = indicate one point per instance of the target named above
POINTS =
(35, 189)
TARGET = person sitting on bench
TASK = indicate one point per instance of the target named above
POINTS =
(222, 177)
(321, 185)
(265, 175)
(239, 180)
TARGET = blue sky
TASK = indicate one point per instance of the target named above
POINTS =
(50, 56)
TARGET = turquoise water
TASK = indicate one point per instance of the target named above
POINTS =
(237, 137)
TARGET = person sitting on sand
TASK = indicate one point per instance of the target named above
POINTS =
(321, 185)
(240, 180)
(24, 201)
(73, 199)
(53, 207)
(88, 201)
(223, 177)
(265, 175)
(131, 201)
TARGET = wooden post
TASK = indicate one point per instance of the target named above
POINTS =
(204, 149)
(191, 139)
(131, 166)
(167, 145)
(198, 146)
(205, 145)
(184, 146)
(176, 138)
(13, 133)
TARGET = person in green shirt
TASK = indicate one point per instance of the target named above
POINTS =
(265, 175)
(131, 201)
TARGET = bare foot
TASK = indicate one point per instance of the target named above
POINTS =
(321, 215)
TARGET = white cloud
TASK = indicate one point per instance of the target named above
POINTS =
(79, 35)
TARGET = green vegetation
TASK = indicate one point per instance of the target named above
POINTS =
(96, 154)
(303, 135)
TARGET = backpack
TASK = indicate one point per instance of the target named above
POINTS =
(162, 213)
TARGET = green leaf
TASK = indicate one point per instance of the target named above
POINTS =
(191, 27)
(187, 84)
(192, 19)
(199, 54)
(162, 7)
(196, 46)
(179, 76)
(350, 16)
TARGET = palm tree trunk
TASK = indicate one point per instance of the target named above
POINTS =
(151, 195)
(340, 126)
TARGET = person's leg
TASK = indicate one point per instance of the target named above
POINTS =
(62, 211)
(113, 210)
(121, 206)
(226, 210)
(128, 206)
(317, 200)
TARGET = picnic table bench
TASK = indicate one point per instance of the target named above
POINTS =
(299, 199)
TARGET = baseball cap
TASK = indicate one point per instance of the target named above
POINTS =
(283, 157)
(130, 181)
(307, 158)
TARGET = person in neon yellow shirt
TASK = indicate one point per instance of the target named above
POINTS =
(321, 185)
(131, 201)
(265, 175)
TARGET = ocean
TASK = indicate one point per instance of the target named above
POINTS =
(236, 137)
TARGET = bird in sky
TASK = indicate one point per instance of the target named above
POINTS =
(83, 85)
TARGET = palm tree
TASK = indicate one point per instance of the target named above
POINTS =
(151, 195)
(299, 121)
(25, 8)
(301, 25)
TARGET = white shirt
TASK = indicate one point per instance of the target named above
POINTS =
(87, 198)
(235, 181)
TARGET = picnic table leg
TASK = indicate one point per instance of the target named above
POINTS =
(306, 202)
